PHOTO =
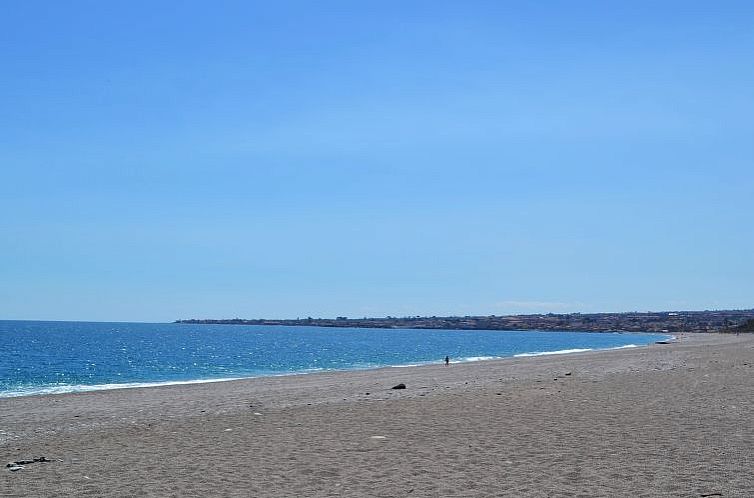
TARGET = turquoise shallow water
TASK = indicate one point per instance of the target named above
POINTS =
(56, 357)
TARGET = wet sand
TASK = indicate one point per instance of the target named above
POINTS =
(665, 420)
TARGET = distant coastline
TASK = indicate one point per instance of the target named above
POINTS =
(665, 321)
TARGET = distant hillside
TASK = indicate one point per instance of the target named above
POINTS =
(747, 326)
(665, 321)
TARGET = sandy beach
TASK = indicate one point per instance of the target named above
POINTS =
(663, 420)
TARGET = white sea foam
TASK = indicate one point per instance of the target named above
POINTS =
(547, 353)
(568, 351)
(79, 388)
(475, 358)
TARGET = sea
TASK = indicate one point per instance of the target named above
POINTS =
(60, 357)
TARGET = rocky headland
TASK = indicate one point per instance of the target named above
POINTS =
(663, 321)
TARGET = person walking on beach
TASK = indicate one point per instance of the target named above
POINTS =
(447, 361)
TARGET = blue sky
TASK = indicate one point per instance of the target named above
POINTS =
(163, 160)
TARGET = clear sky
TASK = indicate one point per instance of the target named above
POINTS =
(164, 160)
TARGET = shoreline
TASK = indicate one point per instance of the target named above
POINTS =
(670, 420)
(84, 388)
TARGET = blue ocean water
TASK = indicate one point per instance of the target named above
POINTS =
(57, 357)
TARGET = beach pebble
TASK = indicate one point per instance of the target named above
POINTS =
(400, 386)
